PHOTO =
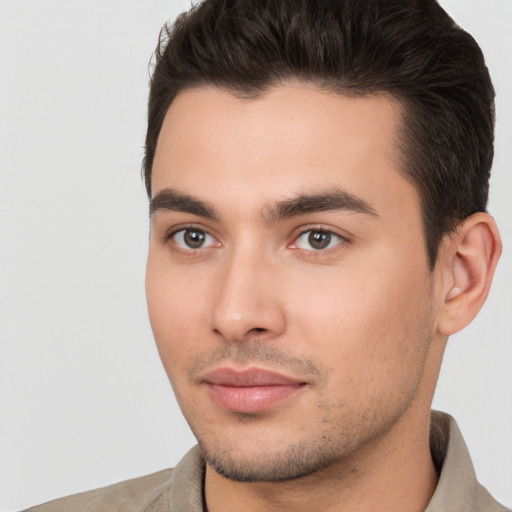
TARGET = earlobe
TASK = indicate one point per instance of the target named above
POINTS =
(471, 256)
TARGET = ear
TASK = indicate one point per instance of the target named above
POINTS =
(469, 258)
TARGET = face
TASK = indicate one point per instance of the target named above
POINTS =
(287, 282)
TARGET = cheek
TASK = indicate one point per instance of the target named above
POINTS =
(177, 312)
(368, 327)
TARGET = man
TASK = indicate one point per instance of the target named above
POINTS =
(318, 176)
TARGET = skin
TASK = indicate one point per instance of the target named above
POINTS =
(362, 324)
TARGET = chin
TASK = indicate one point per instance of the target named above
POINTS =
(264, 465)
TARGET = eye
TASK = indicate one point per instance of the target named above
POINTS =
(317, 240)
(192, 238)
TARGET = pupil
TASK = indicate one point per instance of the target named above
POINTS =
(319, 239)
(194, 239)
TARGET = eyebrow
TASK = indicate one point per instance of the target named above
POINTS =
(331, 200)
(172, 200)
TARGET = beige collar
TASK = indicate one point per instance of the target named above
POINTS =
(457, 490)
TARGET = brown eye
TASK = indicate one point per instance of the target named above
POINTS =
(319, 239)
(192, 238)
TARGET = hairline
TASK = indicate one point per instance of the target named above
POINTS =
(402, 131)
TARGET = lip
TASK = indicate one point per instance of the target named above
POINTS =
(249, 391)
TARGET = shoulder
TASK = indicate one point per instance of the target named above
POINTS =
(180, 488)
(458, 488)
(137, 494)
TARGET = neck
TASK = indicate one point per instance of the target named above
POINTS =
(393, 473)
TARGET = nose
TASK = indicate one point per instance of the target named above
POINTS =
(248, 303)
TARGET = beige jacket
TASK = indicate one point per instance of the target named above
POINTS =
(181, 489)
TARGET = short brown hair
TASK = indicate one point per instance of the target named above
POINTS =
(410, 49)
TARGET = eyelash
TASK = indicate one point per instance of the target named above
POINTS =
(190, 251)
(170, 235)
(312, 251)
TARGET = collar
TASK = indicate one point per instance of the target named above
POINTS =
(457, 491)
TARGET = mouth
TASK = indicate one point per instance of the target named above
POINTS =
(250, 391)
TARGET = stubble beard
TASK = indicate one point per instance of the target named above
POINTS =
(331, 448)
(292, 463)
(326, 446)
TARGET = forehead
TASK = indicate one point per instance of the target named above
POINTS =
(289, 141)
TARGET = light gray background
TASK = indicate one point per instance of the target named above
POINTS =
(84, 400)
